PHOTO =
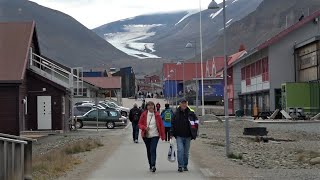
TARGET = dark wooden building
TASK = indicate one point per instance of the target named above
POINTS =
(28, 100)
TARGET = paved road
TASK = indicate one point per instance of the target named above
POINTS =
(130, 162)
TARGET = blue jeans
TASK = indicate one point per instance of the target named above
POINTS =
(151, 145)
(135, 131)
(183, 147)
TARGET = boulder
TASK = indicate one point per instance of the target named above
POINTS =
(315, 161)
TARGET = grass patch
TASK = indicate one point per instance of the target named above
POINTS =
(83, 146)
(305, 156)
(235, 156)
(217, 144)
(57, 162)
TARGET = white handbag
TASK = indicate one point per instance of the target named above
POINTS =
(171, 152)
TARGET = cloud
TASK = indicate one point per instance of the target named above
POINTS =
(93, 13)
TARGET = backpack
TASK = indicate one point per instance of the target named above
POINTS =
(167, 116)
(136, 116)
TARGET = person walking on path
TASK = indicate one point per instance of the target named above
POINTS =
(152, 129)
(143, 105)
(134, 117)
(158, 107)
(167, 115)
(184, 128)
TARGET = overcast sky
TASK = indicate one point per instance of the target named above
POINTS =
(93, 13)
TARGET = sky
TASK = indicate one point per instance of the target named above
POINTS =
(94, 13)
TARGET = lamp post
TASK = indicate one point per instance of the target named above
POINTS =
(190, 45)
(214, 5)
(176, 88)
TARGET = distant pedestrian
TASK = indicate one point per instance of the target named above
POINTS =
(184, 129)
(152, 129)
(158, 107)
(167, 115)
(134, 117)
(143, 105)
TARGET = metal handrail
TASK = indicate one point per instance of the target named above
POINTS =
(53, 69)
(13, 140)
(54, 65)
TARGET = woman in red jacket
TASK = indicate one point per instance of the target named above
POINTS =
(152, 129)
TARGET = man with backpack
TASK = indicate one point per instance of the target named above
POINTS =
(134, 117)
(166, 116)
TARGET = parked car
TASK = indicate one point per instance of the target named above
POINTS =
(82, 102)
(124, 111)
(109, 117)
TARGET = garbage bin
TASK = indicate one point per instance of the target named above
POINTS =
(239, 113)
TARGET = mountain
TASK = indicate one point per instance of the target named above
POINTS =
(61, 37)
(166, 35)
(271, 17)
(130, 35)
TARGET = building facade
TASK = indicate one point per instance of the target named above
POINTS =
(291, 56)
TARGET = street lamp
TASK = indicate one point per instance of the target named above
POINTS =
(175, 75)
(190, 45)
(214, 5)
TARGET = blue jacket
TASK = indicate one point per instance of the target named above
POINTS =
(165, 123)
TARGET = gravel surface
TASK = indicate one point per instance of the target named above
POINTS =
(288, 155)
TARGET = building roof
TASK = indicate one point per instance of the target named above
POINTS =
(189, 71)
(236, 56)
(15, 40)
(104, 82)
(287, 31)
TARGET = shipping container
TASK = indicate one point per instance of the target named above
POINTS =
(301, 95)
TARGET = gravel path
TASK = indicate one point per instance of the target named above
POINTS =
(273, 160)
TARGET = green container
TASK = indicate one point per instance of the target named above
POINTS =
(301, 95)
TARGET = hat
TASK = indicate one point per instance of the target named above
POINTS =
(183, 100)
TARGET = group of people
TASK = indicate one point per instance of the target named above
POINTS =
(181, 124)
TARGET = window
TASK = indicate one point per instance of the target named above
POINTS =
(248, 73)
(265, 69)
(253, 69)
(103, 114)
(258, 68)
(113, 113)
(243, 73)
(92, 114)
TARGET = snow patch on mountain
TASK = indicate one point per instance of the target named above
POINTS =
(131, 40)
(234, 1)
(191, 12)
(213, 15)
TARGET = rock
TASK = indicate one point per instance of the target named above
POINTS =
(315, 161)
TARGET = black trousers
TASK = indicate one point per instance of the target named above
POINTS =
(151, 146)
(135, 130)
(167, 131)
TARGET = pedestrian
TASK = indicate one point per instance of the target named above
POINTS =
(152, 129)
(158, 107)
(143, 106)
(167, 115)
(184, 127)
(134, 117)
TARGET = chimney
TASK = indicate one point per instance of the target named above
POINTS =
(242, 48)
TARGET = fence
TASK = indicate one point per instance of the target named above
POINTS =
(15, 157)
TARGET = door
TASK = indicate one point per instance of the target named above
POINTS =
(44, 112)
(90, 118)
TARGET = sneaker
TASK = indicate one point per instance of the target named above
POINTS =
(180, 169)
(136, 141)
(185, 169)
(153, 169)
